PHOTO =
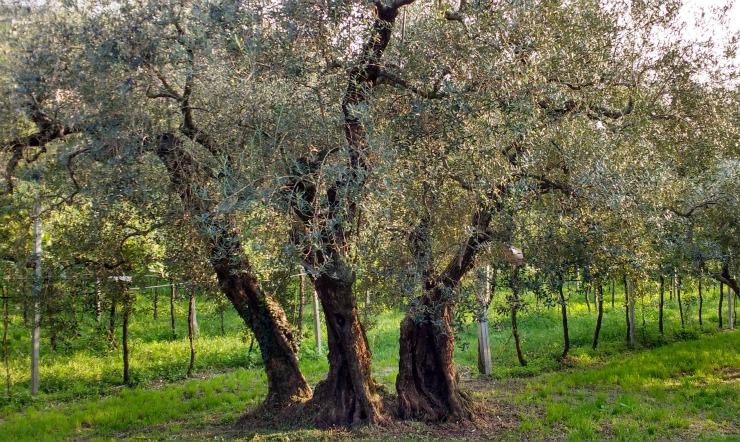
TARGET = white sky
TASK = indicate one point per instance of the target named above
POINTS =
(718, 32)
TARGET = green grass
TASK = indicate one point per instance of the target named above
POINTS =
(687, 390)
(664, 389)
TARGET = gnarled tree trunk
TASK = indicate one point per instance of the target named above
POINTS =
(427, 381)
(264, 316)
(349, 395)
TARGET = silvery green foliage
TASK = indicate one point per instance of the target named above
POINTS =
(567, 120)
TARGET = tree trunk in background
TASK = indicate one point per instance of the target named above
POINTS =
(367, 304)
(564, 314)
(599, 300)
(196, 328)
(678, 299)
(112, 322)
(172, 309)
(585, 294)
(701, 303)
(721, 298)
(730, 317)
(124, 342)
(627, 308)
(317, 323)
(221, 309)
(191, 332)
(98, 304)
(484, 298)
(154, 304)
(6, 350)
(515, 303)
(613, 291)
(36, 294)
(631, 303)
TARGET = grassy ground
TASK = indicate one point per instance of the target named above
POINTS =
(684, 385)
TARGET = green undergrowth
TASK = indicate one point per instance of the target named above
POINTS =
(683, 391)
(660, 389)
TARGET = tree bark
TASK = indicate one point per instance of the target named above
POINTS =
(264, 316)
(660, 304)
(266, 319)
(348, 396)
(191, 332)
(428, 382)
(599, 300)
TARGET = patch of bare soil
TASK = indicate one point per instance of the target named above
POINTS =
(729, 374)
(495, 414)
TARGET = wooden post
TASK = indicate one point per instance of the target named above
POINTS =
(191, 331)
(98, 305)
(301, 306)
(36, 293)
(124, 342)
(484, 299)
(155, 293)
(730, 316)
(172, 308)
(721, 297)
(660, 304)
(632, 317)
(6, 350)
(678, 299)
(701, 303)
(317, 320)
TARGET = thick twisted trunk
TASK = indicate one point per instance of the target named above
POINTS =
(427, 381)
(348, 396)
(262, 314)
(265, 317)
